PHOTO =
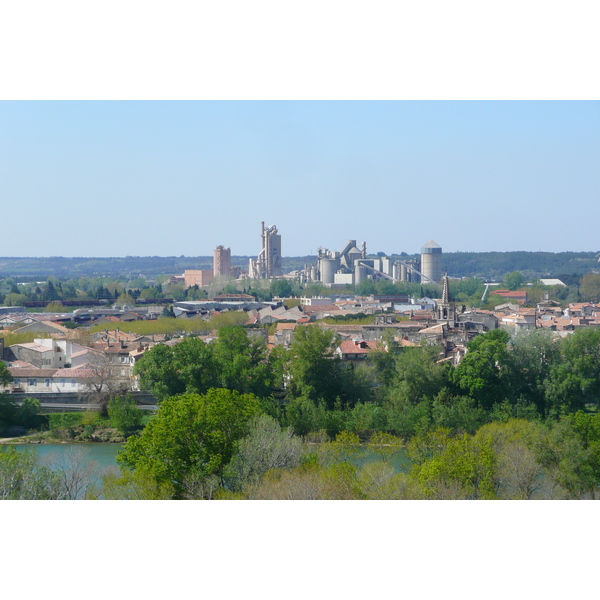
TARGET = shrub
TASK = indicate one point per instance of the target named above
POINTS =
(64, 420)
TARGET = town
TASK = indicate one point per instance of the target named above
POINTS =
(90, 352)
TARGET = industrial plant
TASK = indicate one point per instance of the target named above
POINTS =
(351, 266)
(268, 263)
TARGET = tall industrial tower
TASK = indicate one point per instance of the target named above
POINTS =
(431, 261)
(268, 262)
(222, 262)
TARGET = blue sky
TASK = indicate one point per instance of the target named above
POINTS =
(178, 178)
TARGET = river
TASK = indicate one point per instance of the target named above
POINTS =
(102, 454)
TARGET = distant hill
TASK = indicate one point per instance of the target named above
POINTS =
(487, 265)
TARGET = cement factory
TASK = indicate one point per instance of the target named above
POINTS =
(350, 266)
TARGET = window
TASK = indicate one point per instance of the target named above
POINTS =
(47, 382)
(73, 383)
(63, 382)
(124, 359)
(32, 382)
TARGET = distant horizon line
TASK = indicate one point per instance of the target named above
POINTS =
(183, 256)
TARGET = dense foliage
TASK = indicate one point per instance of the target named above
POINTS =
(517, 418)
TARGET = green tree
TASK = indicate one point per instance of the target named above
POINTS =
(314, 370)
(515, 443)
(233, 361)
(125, 299)
(168, 312)
(28, 413)
(195, 365)
(22, 478)
(124, 414)
(8, 409)
(457, 413)
(366, 287)
(157, 373)
(241, 362)
(54, 307)
(570, 454)
(192, 436)
(513, 281)
(281, 288)
(417, 375)
(466, 468)
(532, 357)
(589, 287)
(266, 447)
(479, 374)
(151, 293)
(50, 292)
(134, 485)
(13, 299)
(574, 379)
(304, 415)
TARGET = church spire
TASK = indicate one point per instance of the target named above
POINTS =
(446, 290)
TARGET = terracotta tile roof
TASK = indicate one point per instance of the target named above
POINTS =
(21, 372)
(80, 373)
(281, 326)
(86, 351)
(321, 308)
(20, 364)
(433, 329)
(351, 347)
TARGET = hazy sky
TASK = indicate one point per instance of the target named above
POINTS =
(178, 178)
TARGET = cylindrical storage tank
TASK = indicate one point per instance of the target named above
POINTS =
(274, 251)
(386, 265)
(431, 261)
(396, 271)
(329, 266)
(403, 273)
(360, 274)
(313, 273)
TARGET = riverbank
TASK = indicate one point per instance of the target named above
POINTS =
(77, 435)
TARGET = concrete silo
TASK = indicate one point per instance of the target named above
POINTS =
(431, 261)
(360, 274)
(329, 266)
